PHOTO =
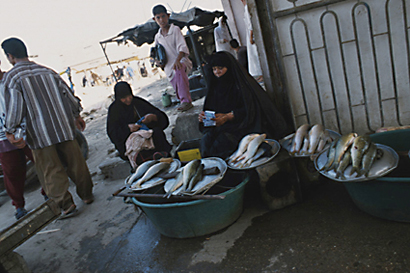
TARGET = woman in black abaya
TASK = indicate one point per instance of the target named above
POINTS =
(241, 107)
(126, 111)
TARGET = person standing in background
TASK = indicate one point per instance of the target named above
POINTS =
(241, 52)
(223, 37)
(176, 49)
(253, 57)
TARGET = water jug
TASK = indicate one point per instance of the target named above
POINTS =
(166, 99)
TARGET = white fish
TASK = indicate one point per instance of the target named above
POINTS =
(323, 141)
(243, 145)
(298, 138)
(253, 147)
(151, 172)
(315, 135)
(258, 154)
(305, 147)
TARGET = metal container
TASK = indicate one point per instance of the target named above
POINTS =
(200, 217)
(387, 197)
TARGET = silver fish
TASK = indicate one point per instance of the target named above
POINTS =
(368, 159)
(151, 172)
(196, 178)
(243, 145)
(315, 135)
(330, 157)
(141, 170)
(298, 138)
(343, 165)
(258, 154)
(360, 145)
(177, 183)
(189, 172)
(342, 145)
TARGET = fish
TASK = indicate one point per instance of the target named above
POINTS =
(360, 145)
(343, 165)
(253, 147)
(258, 154)
(151, 172)
(325, 138)
(141, 170)
(305, 147)
(342, 145)
(243, 144)
(330, 157)
(189, 172)
(298, 138)
(177, 183)
(196, 178)
(368, 159)
(315, 135)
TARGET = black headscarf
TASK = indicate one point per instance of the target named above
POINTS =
(122, 90)
(120, 115)
(257, 113)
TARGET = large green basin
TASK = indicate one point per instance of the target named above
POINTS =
(199, 217)
(387, 197)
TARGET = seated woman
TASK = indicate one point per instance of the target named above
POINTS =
(123, 116)
(241, 107)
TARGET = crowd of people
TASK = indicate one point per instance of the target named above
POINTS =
(49, 119)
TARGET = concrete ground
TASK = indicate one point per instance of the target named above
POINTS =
(325, 232)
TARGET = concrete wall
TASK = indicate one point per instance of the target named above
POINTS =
(234, 10)
(342, 63)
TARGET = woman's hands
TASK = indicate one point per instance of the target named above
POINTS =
(134, 127)
(220, 118)
(148, 118)
(201, 116)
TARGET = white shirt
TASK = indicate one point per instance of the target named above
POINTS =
(173, 43)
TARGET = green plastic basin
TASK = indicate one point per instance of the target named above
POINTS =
(199, 217)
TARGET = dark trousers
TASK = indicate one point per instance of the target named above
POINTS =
(14, 171)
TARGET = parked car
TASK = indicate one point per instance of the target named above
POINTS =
(31, 174)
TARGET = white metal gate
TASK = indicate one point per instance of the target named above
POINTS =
(346, 63)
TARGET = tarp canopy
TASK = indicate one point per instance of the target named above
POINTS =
(144, 33)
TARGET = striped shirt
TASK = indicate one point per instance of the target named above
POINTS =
(41, 96)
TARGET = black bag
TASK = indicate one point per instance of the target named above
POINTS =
(158, 54)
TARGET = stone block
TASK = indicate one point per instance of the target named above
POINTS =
(186, 127)
(115, 168)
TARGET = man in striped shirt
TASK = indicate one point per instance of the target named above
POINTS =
(52, 112)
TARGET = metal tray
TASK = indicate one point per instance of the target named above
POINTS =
(382, 166)
(286, 143)
(207, 181)
(175, 165)
(275, 150)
